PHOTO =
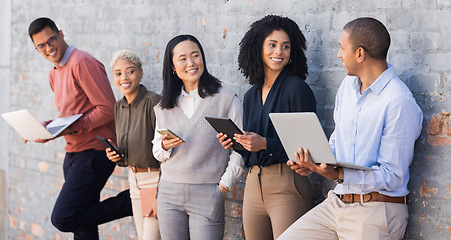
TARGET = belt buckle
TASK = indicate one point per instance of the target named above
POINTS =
(342, 198)
(134, 169)
(361, 197)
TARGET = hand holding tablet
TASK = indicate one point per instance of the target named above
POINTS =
(228, 127)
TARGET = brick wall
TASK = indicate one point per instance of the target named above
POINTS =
(421, 52)
(439, 130)
(5, 72)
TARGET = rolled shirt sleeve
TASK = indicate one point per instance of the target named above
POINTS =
(376, 128)
(235, 167)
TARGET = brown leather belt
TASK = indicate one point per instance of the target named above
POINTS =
(371, 197)
(137, 169)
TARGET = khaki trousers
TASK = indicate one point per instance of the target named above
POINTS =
(334, 219)
(147, 228)
(274, 198)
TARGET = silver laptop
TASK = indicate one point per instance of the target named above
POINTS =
(30, 128)
(304, 130)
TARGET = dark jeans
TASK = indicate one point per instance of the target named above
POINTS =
(77, 208)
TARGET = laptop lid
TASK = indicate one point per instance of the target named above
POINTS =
(30, 128)
(303, 129)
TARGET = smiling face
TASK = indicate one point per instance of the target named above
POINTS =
(127, 78)
(54, 53)
(276, 51)
(188, 64)
(347, 54)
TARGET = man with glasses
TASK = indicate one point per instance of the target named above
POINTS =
(81, 85)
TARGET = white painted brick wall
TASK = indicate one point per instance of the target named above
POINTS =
(421, 52)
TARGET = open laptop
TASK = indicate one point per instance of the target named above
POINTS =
(30, 128)
(304, 130)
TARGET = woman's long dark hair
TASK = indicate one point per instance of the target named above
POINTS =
(172, 84)
(251, 47)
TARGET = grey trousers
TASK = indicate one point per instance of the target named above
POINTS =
(190, 211)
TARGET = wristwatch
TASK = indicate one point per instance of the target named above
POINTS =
(340, 178)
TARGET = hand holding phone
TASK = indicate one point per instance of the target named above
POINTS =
(113, 157)
(170, 134)
(171, 141)
(108, 144)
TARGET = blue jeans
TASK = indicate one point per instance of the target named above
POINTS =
(78, 208)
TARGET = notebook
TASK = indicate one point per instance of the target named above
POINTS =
(304, 130)
(30, 128)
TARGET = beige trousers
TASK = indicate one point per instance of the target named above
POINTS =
(334, 219)
(274, 198)
(147, 228)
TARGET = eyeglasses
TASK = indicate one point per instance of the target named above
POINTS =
(50, 42)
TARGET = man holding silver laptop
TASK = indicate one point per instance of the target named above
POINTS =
(377, 122)
(81, 86)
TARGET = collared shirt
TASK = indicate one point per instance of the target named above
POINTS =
(81, 85)
(135, 127)
(376, 128)
(66, 56)
(189, 103)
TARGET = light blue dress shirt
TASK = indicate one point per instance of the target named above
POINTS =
(378, 129)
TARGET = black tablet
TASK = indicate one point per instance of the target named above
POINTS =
(226, 126)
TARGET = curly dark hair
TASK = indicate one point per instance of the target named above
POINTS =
(250, 60)
(172, 84)
(369, 34)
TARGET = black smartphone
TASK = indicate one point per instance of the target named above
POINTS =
(108, 144)
(170, 134)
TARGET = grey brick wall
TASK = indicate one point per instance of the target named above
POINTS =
(5, 72)
(31, 174)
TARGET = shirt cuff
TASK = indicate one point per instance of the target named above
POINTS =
(233, 171)
(159, 153)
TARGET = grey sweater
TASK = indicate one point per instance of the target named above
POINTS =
(201, 159)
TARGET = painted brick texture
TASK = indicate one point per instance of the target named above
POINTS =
(420, 51)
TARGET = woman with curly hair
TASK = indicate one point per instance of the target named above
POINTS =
(272, 59)
(196, 171)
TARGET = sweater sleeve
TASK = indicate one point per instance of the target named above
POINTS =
(92, 78)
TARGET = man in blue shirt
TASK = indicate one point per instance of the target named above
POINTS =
(376, 124)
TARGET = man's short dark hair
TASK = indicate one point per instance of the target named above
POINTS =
(369, 34)
(37, 25)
